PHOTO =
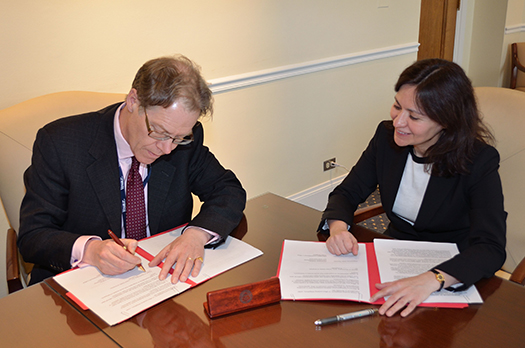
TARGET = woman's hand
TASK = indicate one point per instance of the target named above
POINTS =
(341, 241)
(405, 294)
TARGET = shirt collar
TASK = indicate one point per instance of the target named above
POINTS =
(123, 148)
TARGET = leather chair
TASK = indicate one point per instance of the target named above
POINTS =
(18, 127)
(366, 213)
(517, 76)
(13, 275)
(503, 110)
(518, 276)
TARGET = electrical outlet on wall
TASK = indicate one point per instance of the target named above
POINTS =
(327, 165)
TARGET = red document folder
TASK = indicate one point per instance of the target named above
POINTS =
(142, 253)
(135, 291)
(374, 278)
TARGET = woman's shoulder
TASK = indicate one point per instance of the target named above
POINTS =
(486, 158)
(483, 151)
(385, 125)
(384, 136)
(385, 129)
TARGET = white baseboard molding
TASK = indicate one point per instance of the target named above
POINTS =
(317, 196)
(229, 83)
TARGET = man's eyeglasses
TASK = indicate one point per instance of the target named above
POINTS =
(163, 137)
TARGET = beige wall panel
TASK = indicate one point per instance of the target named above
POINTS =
(53, 45)
(515, 12)
(515, 18)
(276, 136)
(488, 30)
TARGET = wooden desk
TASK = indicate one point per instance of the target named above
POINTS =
(182, 321)
(39, 317)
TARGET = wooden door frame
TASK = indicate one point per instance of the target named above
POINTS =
(437, 28)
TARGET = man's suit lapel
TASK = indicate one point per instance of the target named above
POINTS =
(103, 172)
(162, 173)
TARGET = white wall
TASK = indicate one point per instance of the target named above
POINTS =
(274, 135)
(486, 24)
(486, 28)
(55, 45)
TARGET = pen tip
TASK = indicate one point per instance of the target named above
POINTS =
(142, 268)
(317, 322)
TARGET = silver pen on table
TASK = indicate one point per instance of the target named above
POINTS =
(347, 316)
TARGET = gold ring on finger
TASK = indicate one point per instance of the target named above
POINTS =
(200, 258)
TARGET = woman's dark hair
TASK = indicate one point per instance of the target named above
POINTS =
(445, 94)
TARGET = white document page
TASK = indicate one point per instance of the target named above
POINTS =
(117, 298)
(399, 259)
(308, 271)
(228, 255)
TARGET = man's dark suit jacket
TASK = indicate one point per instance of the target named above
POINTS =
(463, 209)
(72, 189)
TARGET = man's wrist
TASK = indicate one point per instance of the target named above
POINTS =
(78, 253)
(202, 234)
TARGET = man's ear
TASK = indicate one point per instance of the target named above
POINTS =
(132, 100)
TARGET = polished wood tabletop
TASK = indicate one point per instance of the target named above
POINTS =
(182, 321)
(39, 317)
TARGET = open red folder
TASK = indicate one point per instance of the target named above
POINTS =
(142, 253)
(145, 255)
(373, 278)
(117, 298)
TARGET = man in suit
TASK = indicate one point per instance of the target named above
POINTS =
(77, 184)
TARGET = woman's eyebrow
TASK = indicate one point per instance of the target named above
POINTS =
(411, 110)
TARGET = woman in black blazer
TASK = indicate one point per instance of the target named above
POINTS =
(438, 178)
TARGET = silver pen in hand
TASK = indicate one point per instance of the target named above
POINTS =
(347, 316)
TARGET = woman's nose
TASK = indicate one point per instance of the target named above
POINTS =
(401, 119)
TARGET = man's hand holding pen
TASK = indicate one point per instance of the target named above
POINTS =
(109, 257)
(185, 255)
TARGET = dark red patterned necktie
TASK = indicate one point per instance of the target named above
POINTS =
(135, 206)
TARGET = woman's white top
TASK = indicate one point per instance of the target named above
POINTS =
(411, 190)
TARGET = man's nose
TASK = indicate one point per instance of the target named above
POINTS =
(166, 146)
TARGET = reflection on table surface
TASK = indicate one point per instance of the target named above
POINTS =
(39, 317)
(182, 321)
(172, 325)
